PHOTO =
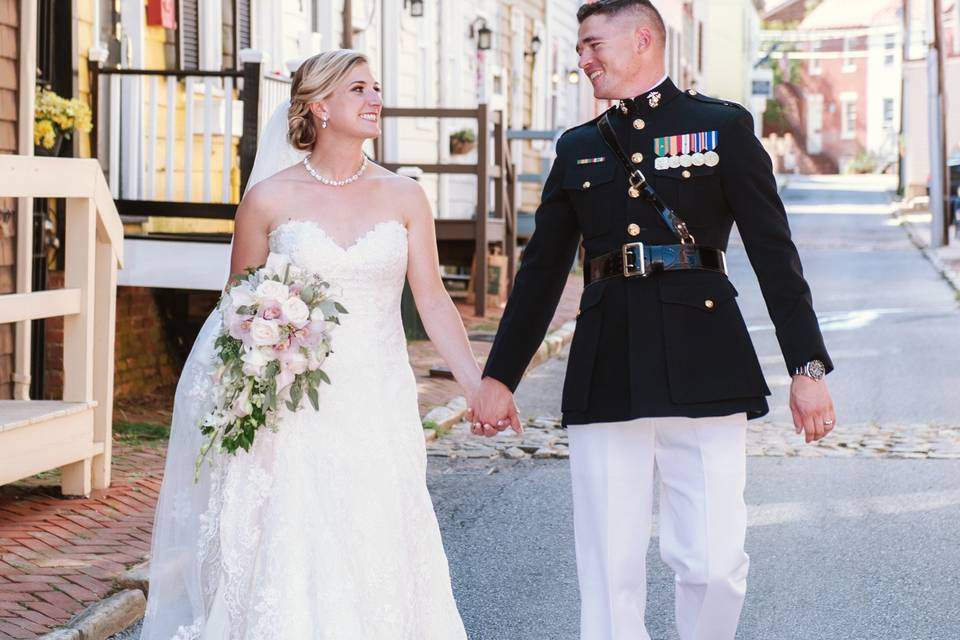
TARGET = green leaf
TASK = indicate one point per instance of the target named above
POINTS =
(291, 406)
(323, 376)
(314, 398)
(339, 307)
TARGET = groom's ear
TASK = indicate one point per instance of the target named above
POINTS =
(643, 38)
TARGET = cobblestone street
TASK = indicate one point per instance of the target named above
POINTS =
(544, 438)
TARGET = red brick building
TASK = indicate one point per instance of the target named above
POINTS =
(849, 85)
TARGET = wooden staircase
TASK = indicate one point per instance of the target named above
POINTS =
(73, 434)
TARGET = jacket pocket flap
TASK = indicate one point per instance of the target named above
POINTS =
(583, 177)
(701, 293)
(592, 295)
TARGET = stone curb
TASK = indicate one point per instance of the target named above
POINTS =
(447, 415)
(105, 618)
(949, 274)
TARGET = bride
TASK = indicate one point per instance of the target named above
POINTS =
(325, 529)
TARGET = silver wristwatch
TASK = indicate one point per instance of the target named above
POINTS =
(813, 369)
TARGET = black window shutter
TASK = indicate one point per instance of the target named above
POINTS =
(242, 17)
(188, 34)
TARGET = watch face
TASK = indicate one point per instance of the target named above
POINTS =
(816, 369)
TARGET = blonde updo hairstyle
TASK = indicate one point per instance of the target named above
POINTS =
(315, 80)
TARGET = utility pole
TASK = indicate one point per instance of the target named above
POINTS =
(901, 140)
(939, 202)
(347, 24)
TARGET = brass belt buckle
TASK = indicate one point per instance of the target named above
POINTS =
(628, 263)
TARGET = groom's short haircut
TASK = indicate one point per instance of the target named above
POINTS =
(612, 8)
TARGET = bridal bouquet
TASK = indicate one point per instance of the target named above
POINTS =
(277, 322)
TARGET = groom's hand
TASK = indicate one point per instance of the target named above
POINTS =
(493, 409)
(812, 408)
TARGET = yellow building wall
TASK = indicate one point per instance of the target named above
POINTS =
(154, 41)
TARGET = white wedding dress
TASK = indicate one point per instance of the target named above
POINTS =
(325, 529)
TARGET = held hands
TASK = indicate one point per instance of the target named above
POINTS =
(492, 409)
(812, 407)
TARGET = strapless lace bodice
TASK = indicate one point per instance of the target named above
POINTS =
(369, 274)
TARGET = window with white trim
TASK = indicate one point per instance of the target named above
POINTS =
(848, 117)
(849, 61)
(814, 67)
(888, 114)
(889, 49)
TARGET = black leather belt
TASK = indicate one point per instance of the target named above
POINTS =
(638, 260)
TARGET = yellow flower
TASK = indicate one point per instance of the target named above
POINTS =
(43, 132)
(56, 115)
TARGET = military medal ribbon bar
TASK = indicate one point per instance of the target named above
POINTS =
(685, 150)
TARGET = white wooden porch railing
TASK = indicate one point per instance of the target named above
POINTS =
(74, 433)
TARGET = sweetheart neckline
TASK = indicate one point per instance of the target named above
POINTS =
(359, 240)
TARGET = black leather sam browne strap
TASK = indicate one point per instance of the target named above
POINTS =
(639, 184)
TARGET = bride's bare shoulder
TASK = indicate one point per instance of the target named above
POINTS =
(388, 180)
(269, 198)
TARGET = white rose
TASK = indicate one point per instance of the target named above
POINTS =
(317, 314)
(242, 296)
(273, 290)
(264, 332)
(276, 263)
(296, 363)
(254, 362)
(295, 311)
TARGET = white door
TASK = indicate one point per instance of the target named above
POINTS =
(814, 124)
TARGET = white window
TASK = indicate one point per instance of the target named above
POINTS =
(888, 114)
(849, 62)
(848, 117)
(889, 49)
(814, 67)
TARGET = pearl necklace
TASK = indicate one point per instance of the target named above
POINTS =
(336, 183)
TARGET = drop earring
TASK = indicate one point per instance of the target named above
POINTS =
(323, 123)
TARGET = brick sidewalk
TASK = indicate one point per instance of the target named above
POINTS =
(58, 555)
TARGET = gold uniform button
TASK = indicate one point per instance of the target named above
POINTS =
(709, 304)
(639, 123)
(633, 230)
(637, 158)
(685, 174)
(586, 184)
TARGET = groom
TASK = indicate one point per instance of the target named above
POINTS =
(662, 374)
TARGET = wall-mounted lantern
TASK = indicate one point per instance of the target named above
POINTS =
(573, 76)
(416, 7)
(535, 44)
(483, 34)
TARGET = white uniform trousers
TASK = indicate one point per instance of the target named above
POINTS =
(701, 464)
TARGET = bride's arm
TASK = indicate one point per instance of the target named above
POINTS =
(439, 315)
(250, 228)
